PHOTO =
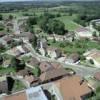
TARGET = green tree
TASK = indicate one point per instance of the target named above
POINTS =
(57, 27)
(34, 41)
(10, 17)
(17, 64)
(43, 23)
(1, 60)
(37, 71)
(1, 17)
(94, 34)
(91, 61)
(31, 29)
(32, 21)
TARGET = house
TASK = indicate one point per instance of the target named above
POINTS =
(9, 25)
(93, 55)
(56, 37)
(24, 47)
(53, 74)
(52, 91)
(45, 66)
(25, 36)
(33, 93)
(97, 76)
(2, 34)
(73, 58)
(56, 65)
(7, 39)
(6, 63)
(42, 45)
(83, 32)
(18, 50)
(3, 85)
(32, 80)
(33, 62)
(23, 73)
(68, 36)
(73, 88)
(53, 52)
(6, 84)
(46, 50)
(96, 21)
(2, 46)
(27, 77)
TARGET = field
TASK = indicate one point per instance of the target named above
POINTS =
(65, 18)
(69, 23)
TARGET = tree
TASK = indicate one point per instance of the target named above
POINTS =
(43, 23)
(70, 12)
(50, 25)
(1, 17)
(94, 34)
(17, 64)
(31, 29)
(44, 20)
(48, 15)
(34, 41)
(56, 26)
(13, 62)
(97, 27)
(91, 61)
(37, 71)
(31, 21)
(1, 60)
(10, 17)
(2, 27)
(58, 15)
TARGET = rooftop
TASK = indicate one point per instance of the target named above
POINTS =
(94, 53)
(53, 74)
(97, 76)
(33, 62)
(82, 29)
(34, 93)
(73, 88)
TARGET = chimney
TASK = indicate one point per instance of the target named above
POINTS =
(81, 82)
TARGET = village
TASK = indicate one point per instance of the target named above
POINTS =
(39, 66)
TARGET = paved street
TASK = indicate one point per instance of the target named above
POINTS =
(79, 69)
(16, 27)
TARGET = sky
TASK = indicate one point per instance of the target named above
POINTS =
(41, 0)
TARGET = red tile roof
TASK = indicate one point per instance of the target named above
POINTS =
(71, 89)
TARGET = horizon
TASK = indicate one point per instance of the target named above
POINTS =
(42, 0)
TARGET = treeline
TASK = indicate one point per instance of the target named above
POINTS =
(74, 7)
(85, 18)
(47, 23)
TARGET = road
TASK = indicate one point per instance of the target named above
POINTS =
(82, 70)
(92, 27)
(16, 24)
(79, 69)
(16, 27)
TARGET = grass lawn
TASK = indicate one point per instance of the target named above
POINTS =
(87, 63)
(77, 46)
(6, 70)
(18, 86)
(69, 23)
